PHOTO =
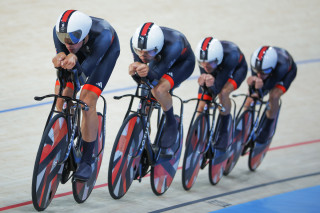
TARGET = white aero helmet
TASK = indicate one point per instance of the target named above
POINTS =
(148, 37)
(209, 50)
(264, 59)
(73, 26)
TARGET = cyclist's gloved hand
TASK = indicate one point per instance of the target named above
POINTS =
(58, 59)
(69, 62)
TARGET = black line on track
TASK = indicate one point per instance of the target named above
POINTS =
(233, 192)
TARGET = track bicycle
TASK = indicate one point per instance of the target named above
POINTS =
(248, 125)
(201, 138)
(134, 154)
(60, 149)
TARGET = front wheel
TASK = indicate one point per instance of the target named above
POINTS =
(82, 190)
(124, 161)
(196, 144)
(48, 168)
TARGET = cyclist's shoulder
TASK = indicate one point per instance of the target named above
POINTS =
(172, 36)
(284, 61)
(231, 54)
(100, 25)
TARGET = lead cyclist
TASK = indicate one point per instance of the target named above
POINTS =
(93, 43)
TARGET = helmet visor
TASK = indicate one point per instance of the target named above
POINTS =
(266, 71)
(150, 53)
(211, 64)
(69, 38)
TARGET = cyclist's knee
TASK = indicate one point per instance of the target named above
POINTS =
(201, 106)
(276, 92)
(160, 89)
(275, 95)
(90, 98)
(248, 102)
(224, 94)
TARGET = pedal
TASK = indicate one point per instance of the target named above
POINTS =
(143, 167)
(246, 147)
(65, 173)
(204, 163)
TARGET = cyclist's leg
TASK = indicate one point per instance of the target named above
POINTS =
(89, 131)
(233, 83)
(90, 94)
(68, 91)
(178, 73)
(225, 117)
(161, 93)
(274, 104)
(202, 104)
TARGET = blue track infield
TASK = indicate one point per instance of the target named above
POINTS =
(304, 200)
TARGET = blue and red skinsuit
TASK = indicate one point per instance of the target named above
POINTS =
(175, 62)
(283, 74)
(98, 56)
(233, 69)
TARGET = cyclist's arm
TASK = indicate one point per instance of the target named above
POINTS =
(99, 49)
(168, 57)
(225, 72)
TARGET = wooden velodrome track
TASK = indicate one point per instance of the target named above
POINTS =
(26, 71)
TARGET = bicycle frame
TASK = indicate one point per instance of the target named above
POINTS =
(256, 115)
(146, 106)
(213, 105)
(71, 103)
(144, 114)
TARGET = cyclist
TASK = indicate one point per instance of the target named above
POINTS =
(273, 70)
(223, 68)
(165, 57)
(93, 43)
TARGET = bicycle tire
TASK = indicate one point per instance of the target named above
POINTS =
(163, 172)
(122, 167)
(233, 147)
(47, 171)
(259, 151)
(82, 190)
(241, 134)
(218, 163)
(193, 155)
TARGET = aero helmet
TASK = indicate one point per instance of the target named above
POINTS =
(148, 37)
(209, 50)
(264, 59)
(73, 26)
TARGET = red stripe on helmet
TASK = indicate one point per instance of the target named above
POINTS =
(145, 28)
(205, 43)
(66, 15)
(262, 52)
